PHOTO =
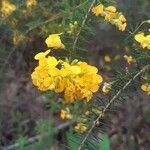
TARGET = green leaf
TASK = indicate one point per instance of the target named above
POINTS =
(104, 143)
(73, 141)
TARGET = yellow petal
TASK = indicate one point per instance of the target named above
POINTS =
(111, 9)
(97, 10)
(139, 37)
(52, 61)
(41, 55)
(54, 41)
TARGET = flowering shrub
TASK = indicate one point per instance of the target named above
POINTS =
(82, 72)
(74, 80)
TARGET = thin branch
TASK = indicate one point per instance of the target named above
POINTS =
(82, 25)
(109, 104)
(39, 137)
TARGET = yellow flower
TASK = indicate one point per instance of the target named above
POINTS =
(129, 59)
(111, 15)
(122, 18)
(146, 88)
(81, 127)
(106, 87)
(110, 9)
(76, 80)
(41, 55)
(121, 26)
(7, 8)
(54, 41)
(31, 3)
(97, 10)
(107, 58)
(51, 61)
(68, 70)
(65, 114)
(85, 68)
(143, 40)
(121, 22)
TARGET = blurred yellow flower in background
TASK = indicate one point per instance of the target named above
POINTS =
(107, 58)
(7, 8)
(146, 88)
(31, 3)
(143, 40)
(81, 127)
(129, 59)
(54, 41)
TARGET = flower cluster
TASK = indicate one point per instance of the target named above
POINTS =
(76, 80)
(143, 40)
(111, 15)
(54, 41)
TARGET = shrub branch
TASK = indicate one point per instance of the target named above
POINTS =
(109, 104)
(82, 25)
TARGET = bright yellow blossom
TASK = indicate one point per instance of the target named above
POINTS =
(146, 88)
(76, 80)
(129, 59)
(54, 41)
(143, 40)
(81, 127)
(97, 10)
(41, 55)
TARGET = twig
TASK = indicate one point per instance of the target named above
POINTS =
(109, 104)
(82, 25)
(38, 137)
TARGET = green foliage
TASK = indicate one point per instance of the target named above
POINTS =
(72, 140)
(104, 143)
(43, 139)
